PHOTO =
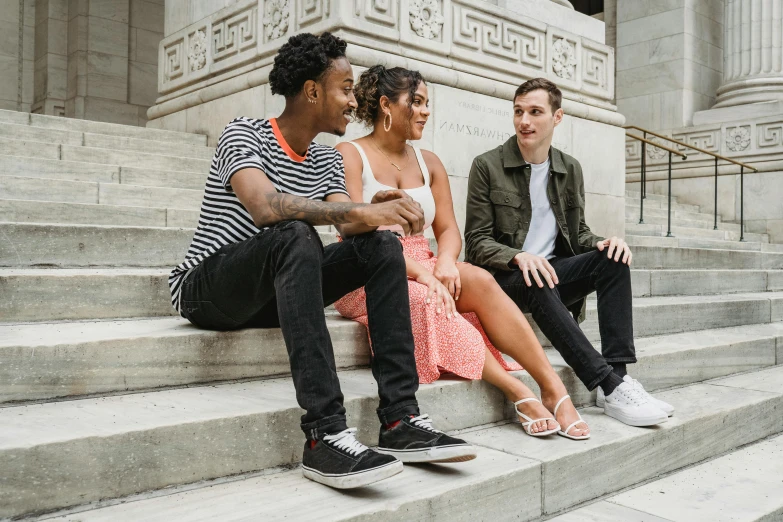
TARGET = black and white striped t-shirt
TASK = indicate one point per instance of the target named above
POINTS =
(251, 143)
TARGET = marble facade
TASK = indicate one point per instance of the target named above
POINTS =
(669, 60)
(92, 60)
(745, 124)
(472, 53)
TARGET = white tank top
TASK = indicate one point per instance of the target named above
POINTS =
(422, 195)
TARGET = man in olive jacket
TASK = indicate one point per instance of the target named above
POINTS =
(525, 223)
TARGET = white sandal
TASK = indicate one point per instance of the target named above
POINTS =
(527, 425)
(564, 433)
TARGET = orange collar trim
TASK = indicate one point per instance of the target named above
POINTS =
(284, 144)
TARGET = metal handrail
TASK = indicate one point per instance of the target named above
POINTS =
(678, 142)
(717, 157)
(642, 193)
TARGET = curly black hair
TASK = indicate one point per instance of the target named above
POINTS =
(379, 81)
(304, 57)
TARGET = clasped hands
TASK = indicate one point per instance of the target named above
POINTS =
(538, 267)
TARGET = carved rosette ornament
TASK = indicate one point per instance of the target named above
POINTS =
(563, 59)
(197, 57)
(426, 18)
(276, 19)
(738, 139)
(655, 153)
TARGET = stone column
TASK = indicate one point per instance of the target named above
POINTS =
(753, 53)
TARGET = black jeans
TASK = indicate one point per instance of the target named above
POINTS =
(579, 276)
(284, 276)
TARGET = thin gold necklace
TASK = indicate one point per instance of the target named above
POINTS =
(407, 158)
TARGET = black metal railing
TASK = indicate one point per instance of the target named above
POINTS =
(642, 191)
(717, 157)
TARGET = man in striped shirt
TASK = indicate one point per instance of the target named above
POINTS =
(256, 261)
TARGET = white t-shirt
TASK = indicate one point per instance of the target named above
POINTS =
(540, 240)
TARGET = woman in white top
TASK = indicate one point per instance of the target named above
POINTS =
(462, 320)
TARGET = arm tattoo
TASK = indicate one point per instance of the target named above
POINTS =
(285, 206)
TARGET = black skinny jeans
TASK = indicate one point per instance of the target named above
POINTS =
(579, 276)
(284, 276)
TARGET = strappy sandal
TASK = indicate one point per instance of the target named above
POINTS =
(528, 425)
(564, 433)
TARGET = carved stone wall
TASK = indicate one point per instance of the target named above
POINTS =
(459, 42)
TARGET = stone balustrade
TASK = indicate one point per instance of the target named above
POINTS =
(466, 44)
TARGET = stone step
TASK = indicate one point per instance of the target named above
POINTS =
(484, 488)
(230, 423)
(36, 294)
(681, 222)
(703, 411)
(58, 169)
(62, 294)
(647, 229)
(98, 173)
(743, 486)
(130, 158)
(48, 360)
(684, 242)
(53, 245)
(648, 283)
(40, 244)
(101, 193)
(104, 141)
(663, 199)
(663, 204)
(114, 129)
(632, 215)
(659, 257)
(127, 158)
(34, 149)
(56, 213)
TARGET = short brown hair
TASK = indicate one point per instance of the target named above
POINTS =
(555, 96)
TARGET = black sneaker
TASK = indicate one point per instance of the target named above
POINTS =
(340, 461)
(414, 439)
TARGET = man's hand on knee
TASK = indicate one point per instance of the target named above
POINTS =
(537, 267)
(617, 248)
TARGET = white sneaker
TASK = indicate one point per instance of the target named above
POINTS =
(631, 406)
(665, 406)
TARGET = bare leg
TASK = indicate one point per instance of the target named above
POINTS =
(515, 390)
(510, 333)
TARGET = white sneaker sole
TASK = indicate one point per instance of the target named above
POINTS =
(634, 420)
(459, 453)
(601, 401)
(353, 480)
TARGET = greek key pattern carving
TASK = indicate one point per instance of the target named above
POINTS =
(597, 74)
(174, 60)
(475, 37)
(234, 34)
(707, 140)
(499, 38)
(310, 12)
(382, 12)
(770, 135)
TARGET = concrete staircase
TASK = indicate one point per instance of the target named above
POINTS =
(113, 408)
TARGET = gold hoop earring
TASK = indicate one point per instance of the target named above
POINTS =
(387, 129)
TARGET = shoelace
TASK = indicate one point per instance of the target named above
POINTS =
(634, 394)
(346, 441)
(424, 421)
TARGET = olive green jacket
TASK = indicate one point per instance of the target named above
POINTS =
(498, 209)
